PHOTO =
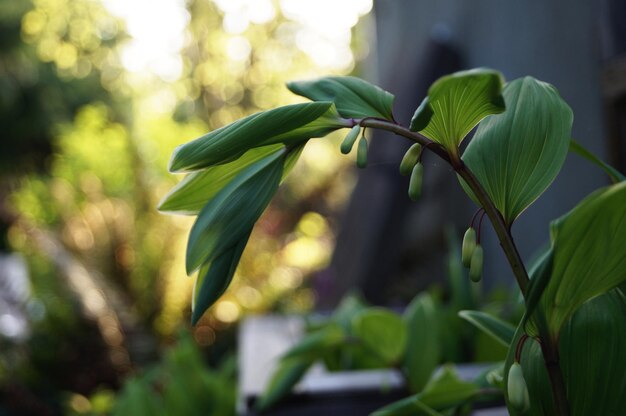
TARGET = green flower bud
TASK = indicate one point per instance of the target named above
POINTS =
(517, 389)
(410, 159)
(469, 244)
(361, 154)
(348, 142)
(476, 264)
(415, 183)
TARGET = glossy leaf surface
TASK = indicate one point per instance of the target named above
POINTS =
(289, 125)
(516, 155)
(353, 97)
(456, 103)
(231, 214)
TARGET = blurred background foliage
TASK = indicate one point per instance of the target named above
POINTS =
(94, 96)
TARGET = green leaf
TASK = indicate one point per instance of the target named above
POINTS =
(423, 349)
(613, 173)
(499, 330)
(591, 351)
(517, 155)
(381, 331)
(289, 125)
(589, 255)
(197, 188)
(353, 97)
(316, 344)
(443, 392)
(456, 103)
(214, 278)
(232, 212)
(287, 375)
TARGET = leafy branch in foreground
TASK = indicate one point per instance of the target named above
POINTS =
(520, 145)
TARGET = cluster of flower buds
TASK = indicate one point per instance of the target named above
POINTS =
(411, 164)
(472, 255)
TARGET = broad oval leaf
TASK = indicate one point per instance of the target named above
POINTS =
(589, 253)
(498, 329)
(232, 212)
(423, 351)
(456, 103)
(214, 278)
(289, 125)
(382, 332)
(516, 155)
(318, 343)
(353, 97)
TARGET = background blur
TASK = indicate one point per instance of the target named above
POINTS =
(95, 95)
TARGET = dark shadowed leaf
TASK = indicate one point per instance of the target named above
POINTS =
(499, 330)
(289, 125)
(517, 155)
(423, 350)
(455, 105)
(353, 97)
(232, 212)
(214, 278)
(613, 173)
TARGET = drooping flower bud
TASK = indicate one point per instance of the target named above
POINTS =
(410, 159)
(348, 141)
(361, 154)
(415, 183)
(517, 389)
(476, 264)
(469, 244)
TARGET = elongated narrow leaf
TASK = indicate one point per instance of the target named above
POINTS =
(289, 125)
(589, 254)
(423, 351)
(613, 173)
(497, 329)
(287, 375)
(517, 155)
(353, 97)
(456, 103)
(193, 192)
(232, 212)
(214, 278)
(316, 344)
(382, 332)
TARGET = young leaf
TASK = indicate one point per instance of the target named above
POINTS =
(289, 125)
(499, 330)
(197, 188)
(353, 97)
(589, 256)
(382, 332)
(287, 375)
(455, 105)
(214, 277)
(517, 155)
(231, 214)
(422, 348)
